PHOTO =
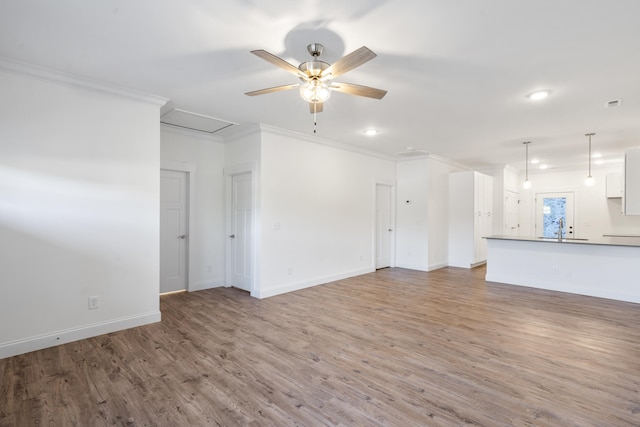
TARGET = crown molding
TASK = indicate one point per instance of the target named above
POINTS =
(43, 73)
(318, 140)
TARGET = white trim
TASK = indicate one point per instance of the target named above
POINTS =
(409, 266)
(437, 266)
(310, 283)
(242, 131)
(49, 74)
(39, 342)
(200, 286)
(190, 170)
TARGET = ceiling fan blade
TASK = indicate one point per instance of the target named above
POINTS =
(349, 62)
(351, 89)
(315, 107)
(279, 62)
(272, 89)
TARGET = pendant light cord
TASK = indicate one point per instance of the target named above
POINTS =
(589, 135)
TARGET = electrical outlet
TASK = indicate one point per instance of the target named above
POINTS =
(210, 268)
(94, 302)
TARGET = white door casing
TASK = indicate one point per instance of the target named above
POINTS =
(384, 230)
(173, 231)
(241, 236)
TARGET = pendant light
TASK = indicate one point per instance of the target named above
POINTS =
(589, 180)
(526, 184)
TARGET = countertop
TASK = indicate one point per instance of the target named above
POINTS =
(604, 241)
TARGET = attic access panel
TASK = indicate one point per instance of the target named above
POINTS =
(194, 121)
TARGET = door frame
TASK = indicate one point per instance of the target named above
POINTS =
(392, 222)
(229, 173)
(536, 213)
(189, 169)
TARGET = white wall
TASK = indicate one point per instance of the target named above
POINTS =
(595, 215)
(202, 156)
(422, 224)
(412, 228)
(79, 195)
(323, 199)
(438, 210)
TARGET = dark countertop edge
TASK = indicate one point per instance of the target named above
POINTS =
(606, 241)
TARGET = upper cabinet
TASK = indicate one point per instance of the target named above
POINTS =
(614, 185)
(632, 182)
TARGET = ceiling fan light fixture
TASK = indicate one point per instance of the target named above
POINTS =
(315, 91)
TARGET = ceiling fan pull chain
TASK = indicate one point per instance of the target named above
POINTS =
(315, 120)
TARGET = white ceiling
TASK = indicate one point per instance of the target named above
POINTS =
(457, 72)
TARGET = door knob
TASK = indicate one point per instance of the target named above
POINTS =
(233, 236)
(184, 236)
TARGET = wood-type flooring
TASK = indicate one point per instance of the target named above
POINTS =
(391, 348)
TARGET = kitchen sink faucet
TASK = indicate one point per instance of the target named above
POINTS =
(560, 225)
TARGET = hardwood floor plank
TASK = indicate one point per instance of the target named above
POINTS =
(391, 348)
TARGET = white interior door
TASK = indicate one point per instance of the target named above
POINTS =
(511, 214)
(550, 207)
(241, 231)
(384, 231)
(173, 231)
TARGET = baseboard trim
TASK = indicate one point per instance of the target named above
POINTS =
(437, 266)
(418, 267)
(200, 286)
(13, 348)
(310, 283)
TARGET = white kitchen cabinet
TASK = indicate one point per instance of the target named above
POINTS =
(631, 199)
(614, 185)
(470, 217)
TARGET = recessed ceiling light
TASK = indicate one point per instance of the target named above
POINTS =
(535, 161)
(371, 132)
(409, 148)
(596, 155)
(599, 162)
(541, 94)
(544, 166)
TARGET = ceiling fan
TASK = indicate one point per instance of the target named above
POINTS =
(317, 76)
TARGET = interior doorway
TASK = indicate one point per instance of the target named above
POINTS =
(550, 208)
(240, 246)
(384, 226)
(173, 230)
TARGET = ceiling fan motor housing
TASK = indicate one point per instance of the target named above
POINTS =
(313, 68)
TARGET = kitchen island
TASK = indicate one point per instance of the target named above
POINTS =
(608, 267)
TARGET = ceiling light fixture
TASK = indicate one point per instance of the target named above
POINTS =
(371, 132)
(526, 184)
(589, 180)
(315, 92)
(540, 94)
